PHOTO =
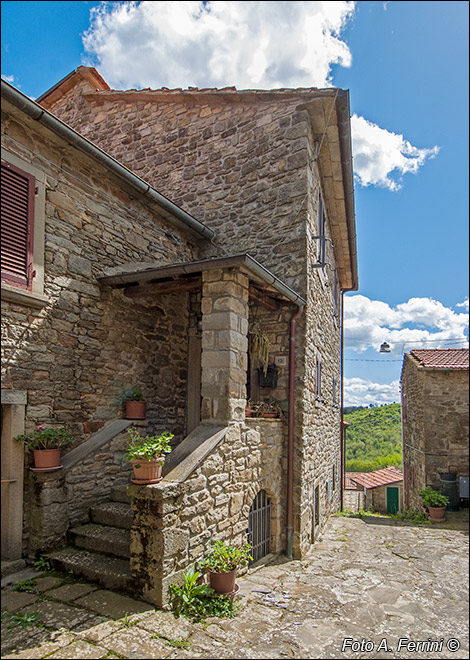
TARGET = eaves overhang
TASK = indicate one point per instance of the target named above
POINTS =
(329, 113)
(257, 274)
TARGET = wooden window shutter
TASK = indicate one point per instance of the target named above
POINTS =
(17, 202)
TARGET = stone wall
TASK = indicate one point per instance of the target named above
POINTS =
(175, 524)
(75, 352)
(435, 433)
(245, 165)
(376, 498)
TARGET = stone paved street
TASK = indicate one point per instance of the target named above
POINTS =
(364, 580)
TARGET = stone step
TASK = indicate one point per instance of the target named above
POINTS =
(111, 572)
(102, 538)
(119, 494)
(115, 514)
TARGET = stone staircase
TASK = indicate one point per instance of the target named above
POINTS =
(99, 551)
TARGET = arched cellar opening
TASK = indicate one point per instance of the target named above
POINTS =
(259, 526)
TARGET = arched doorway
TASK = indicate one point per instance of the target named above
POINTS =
(259, 526)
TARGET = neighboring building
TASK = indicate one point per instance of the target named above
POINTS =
(382, 489)
(124, 287)
(434, 390)
(353, 493)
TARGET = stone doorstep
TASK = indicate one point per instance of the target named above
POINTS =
(111, 572)
(116, 514)
(102, 538)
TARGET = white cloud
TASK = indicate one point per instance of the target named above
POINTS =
(360, 392)
(263, 45)
(380, 154)
(247, 44)
(10, 79)
(418, 323)
(464, 304)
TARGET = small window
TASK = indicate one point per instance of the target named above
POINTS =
(318, 378)
(321, 231)
(17, 214)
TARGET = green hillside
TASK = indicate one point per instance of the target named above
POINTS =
(373, 438)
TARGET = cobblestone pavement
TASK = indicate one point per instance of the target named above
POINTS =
(366, 590)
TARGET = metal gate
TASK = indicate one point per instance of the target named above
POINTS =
(259, 526)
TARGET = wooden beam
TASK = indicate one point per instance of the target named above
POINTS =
(263, 299)
(179, 285)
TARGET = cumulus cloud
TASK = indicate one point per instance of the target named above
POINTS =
(218, 43)
(262, 45)
(380, 155)
(418, 323)
(360, 392)
(10, 79)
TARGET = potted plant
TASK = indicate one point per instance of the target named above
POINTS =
(146, 455)
(251, 408)
(435, 503)
(270, 409)
(222, 563)
(46, 444)
(136, 407)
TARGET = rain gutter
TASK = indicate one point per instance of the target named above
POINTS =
(36, 112)
(235, 261)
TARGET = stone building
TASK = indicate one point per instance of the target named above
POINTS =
(434, 391)
(381, 490)
(131, 289)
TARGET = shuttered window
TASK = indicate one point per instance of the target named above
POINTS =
(17, 202)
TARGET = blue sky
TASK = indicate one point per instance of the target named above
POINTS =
(406, 66)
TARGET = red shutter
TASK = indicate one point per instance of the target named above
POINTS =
(17, 200)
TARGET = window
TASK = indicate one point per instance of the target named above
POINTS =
(321, 231)
(318, 378)
(23, 219)
(18, 190)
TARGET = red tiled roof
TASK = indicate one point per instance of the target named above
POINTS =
(348, 480)
(388, 475)
(442, 358)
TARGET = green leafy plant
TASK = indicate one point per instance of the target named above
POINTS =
(26, 586)
(197, 601)
(147, 447)
(126, 622)
(20, 620)
(42, 564)
(411, 515)
(432, 498)
(133, 394)
(224, 558)
(45, 438)
(191, 599)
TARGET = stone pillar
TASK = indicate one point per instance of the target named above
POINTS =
(48, 511)
(224, 345)
(159, 542)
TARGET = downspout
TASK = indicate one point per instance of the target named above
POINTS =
(342, 405)
(290, 437)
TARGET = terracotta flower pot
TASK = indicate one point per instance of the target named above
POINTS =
(136, 409)
(437, 513)
(147, 470)
(222, 583)
(46, 458)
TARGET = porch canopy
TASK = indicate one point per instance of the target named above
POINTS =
(146, 279)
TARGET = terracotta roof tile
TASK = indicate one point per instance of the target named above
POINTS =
(348, 480)
(442, 358)
(377, 478)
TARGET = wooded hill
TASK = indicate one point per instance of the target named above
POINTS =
(373, 438)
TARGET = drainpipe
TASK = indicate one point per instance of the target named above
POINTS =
(341, 496)
(290, 436)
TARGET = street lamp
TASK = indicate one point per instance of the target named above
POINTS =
(385, 347)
